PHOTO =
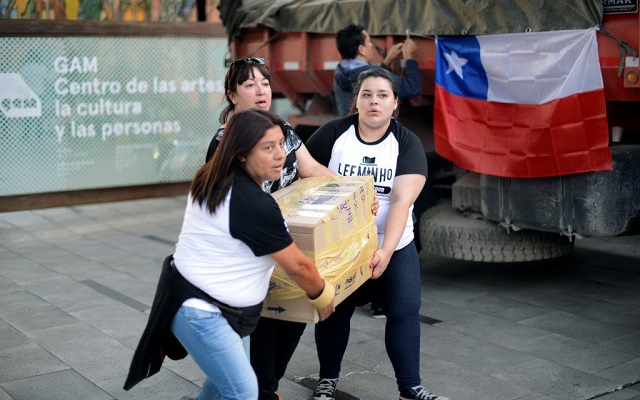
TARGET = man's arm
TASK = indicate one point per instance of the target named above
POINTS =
(409, 84)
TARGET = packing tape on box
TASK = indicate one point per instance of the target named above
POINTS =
(307, 198)
(357, 248)
(339, 203)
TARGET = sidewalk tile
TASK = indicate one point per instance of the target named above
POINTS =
(21, 270)
(494, 330)
(165, 385)
(88, 351)
(577, 327)
(583, 356)
(67, 294)
(115, 320)
(557, 381)
(38, 317)
(4, 395)
(479, 355)
(19, 300)
(63, 385)
(628, 343)
(458, 382)
(27, 361)
(627, 373)
(11, 338)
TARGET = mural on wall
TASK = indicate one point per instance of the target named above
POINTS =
(107, 10)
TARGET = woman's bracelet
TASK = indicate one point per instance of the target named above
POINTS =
(326, 297)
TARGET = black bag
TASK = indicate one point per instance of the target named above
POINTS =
(243, 320)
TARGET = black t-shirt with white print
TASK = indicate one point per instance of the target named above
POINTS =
(338, 145)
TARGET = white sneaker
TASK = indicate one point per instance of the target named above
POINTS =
(326, 389)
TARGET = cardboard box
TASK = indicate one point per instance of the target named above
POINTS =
(330, 221)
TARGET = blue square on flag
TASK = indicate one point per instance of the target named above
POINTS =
(459, 67)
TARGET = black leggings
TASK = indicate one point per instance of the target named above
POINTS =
(399, 289)
(272, 345)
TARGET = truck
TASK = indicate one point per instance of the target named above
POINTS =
(463, 214)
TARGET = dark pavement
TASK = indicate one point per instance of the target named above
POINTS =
(76, 284)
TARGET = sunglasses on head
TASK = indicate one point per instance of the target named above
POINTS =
(252, 60)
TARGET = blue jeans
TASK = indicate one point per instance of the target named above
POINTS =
(399, 293)
(219, 351)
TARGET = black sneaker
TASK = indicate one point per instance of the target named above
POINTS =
(376, 312)
(326, 389)
(420, 393)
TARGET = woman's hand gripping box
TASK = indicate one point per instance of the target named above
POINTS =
(331, 222)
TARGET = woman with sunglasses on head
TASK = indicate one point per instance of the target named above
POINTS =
(247, 86)
(375, 141)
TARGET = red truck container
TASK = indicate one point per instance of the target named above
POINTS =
(542, 216)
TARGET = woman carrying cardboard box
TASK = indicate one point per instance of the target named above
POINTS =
(371, 142)
(232, 235)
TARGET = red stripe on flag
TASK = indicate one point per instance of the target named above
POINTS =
(565, 136)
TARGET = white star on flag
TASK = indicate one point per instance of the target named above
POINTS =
(455, 63)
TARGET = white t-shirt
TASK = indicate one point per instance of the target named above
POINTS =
(227, 253)
(338, 145)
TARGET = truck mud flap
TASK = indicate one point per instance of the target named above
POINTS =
(602, 203)
(449, 233)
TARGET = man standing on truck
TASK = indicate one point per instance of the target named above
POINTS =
(357, 51)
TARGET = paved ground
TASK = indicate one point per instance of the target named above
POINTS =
(76, 284)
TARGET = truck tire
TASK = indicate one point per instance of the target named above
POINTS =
(449, 233)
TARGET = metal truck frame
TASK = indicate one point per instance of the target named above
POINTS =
(482, 217)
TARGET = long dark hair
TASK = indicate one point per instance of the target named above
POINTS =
(244, 130)
(373, 73)
(237, 74)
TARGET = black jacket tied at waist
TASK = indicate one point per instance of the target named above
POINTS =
(158, 340)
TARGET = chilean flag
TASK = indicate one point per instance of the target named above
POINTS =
(521, 105)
